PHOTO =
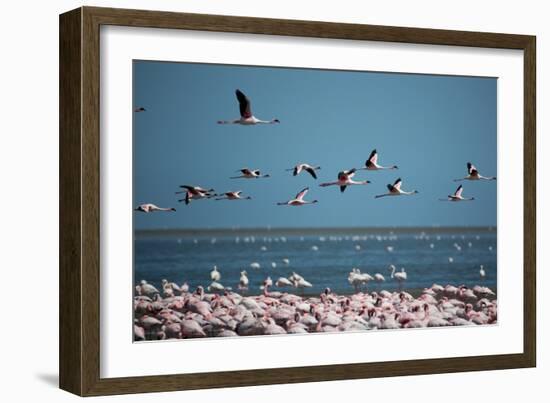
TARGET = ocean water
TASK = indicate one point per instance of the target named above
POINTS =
(446, 256)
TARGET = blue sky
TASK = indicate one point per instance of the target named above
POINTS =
(430, 126)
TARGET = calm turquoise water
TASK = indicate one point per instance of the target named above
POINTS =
(187, 258)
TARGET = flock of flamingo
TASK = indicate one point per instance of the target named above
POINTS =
(180, 313)
(177, 312)
(344, 177)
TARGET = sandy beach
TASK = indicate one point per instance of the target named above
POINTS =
(177, 312)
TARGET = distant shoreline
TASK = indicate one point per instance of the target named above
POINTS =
(289, 231)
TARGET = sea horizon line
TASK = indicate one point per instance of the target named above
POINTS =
(248, 231)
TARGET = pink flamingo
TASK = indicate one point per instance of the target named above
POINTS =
(247, 118)
(298, 199)
(345, 180)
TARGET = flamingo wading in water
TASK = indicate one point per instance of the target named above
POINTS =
(457, 196)
(395, 190)
(298, 200)
(372, 163)
(473, 175)
(304, 167)
(400, 276)
(345, 180)
(247, 118)
(150, 207)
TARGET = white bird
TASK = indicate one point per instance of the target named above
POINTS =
(294, 277)
(286, 261)
(372, 163)
(473, 174)
(243, 281)
(149, 208)
(215, 274)
(267, 283)
(144, 288)
(395, 190)
(399, 276)
(247, 118)
(457, 196)
(173, 286)
(215, 286)
(298, 200)
(184, 287)
(345, 180)
(379, 278)
(356, 278)
(304, 167)
(236, 195)
(481, 272)
(250, 174)
(302, 283)
(255, 265)
(283, 282)
(195, 192)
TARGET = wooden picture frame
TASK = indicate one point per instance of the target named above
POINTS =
(79, 346)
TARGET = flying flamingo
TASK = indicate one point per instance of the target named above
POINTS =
(473, 174)
(457, 196)
(236, 195)
(372, 163)
(246, 118)
(298, 200)
(194, 192)
(250, 174)
(345, 180)
(304, 167)
(149, 208)
(395, 190)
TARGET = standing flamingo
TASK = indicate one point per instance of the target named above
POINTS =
(372, 163)
(379, 278)
(481, 272)
(215, 274)
(149, 208)
(345, 180)
(473, 174)
(250, 174)
(245, 110)
(395, 190)
(399, 276)
(298, 200)
(457, 196)
(243, 281)
(304, 167)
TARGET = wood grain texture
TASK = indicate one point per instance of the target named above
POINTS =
(80, 196)
(70, 271)
(530, 203)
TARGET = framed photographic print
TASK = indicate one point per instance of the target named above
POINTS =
(282, 201)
